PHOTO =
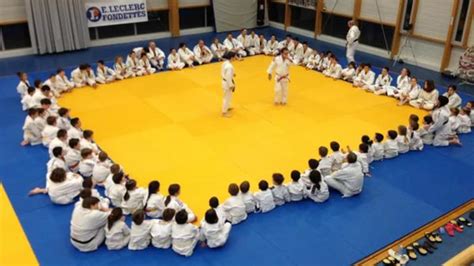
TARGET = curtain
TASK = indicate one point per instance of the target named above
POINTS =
(235, 15)
(57, 25)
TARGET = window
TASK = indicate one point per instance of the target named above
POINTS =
(158, 21)
(210, 16)
(192, 17)
(335, 26)
(15, 36)
(116, 31)
(462, 17)
(373, 35)
(276, 12)
(303, 18)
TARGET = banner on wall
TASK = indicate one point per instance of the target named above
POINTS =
(112, 12)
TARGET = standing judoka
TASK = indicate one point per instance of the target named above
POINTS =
(281, 65)
(352, 39)
(228, 84)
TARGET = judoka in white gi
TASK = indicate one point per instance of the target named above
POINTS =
(140, 236)
(247, 197)
(184, 235)
(52, 83)
(403, 81)
(234, 207)
(145, 65)
(281, 65)
(202, 53)
(132, 64)
(233, 45)
(27, 100)
(334, 70)
(161, 230)
(218, 49)
(390, 147)
(264, 198)
(228, 84)
(245, 40)
(87, 225)
(156, 56)
(31, 131)
(383, 81)
(117, 233)
(366, 77)
(441, 127)
(349, 180)
(349, 72)
(90, 76)
(213, 231)
(122, 71)
(271, 48)
(186, 55)
(287, 43)
(79, 76)
(254, 40)
(410, 92)
(174, 60)
(313, 60)
(64, 84)
(104, 73)
(280, 192)
(296, 188)
(455, 100)
(154, 205)
(352, 40)
(23, 85)
(172, 201)
(318, 191)
(427, 97)
(261, 44)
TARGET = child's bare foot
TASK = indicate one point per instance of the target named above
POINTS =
(24, 143)
(37, 190)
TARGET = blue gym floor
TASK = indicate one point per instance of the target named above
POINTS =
(403, 194)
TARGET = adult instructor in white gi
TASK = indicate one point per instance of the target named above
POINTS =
(281, 65)
(352, 40)
(228, 84)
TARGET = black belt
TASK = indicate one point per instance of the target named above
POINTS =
(83, 242)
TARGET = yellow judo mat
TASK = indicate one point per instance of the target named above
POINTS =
(168, 126)
(14, 246)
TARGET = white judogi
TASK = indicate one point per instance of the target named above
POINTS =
(298, 54)
(337, 159)
(105, 75)
(333, 71)
(122, 71)
(135, 201)
(281, 195)
(426, 100)
(249, 201)
(140, 235)
(381, 84)
(27, 102)
(40, 123)
(115, 194)
(56, 142)
(410, 92)
(52, 164)
(174, 62)
(79, 78)
(271, 48)
(365, 79)
(156, 205)
(264, 200)
(378, 151)
(73, 158)
(184, 238)
(390, 148)
(352, 39)
(464, 124)
(402, 83)
(31, 131)
(202, 54)
(349, 180)
(228, 85)
(215, 235)
(254, 43)
(218, 50)
(325, 166)
(176, 204)
(22, 87)
(64, 193)
(289, 45)
(455, 100)
(260, 45)
(156, 57)
(48, 134)
(63, 83)
(441, 127)
(53, 85)
(161, 234)
(306, 55)
(235, 45)
(144, 64)
(246, 43)
(416, 143)
(132, 65)
(87, 228)
(363, 160)
(426, 137)
(75, 133)
(186, 56)
(90, 78)
(296, 190)
(403, 144)
(100, 172)
(63, 123)
(118, 236)
(316, 195)
(235, 210)
(86, 166)
(282, 78)
(85, 143)
(313, 61)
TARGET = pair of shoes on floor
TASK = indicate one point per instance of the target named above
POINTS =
(433, 237)
(451, 227)
(462, 222)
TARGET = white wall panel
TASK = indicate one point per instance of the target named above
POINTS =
(12, 10)
(157, 4)
(388, 10)
(428, 54)
(345, 7)
(433, 18)
(186, 3)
